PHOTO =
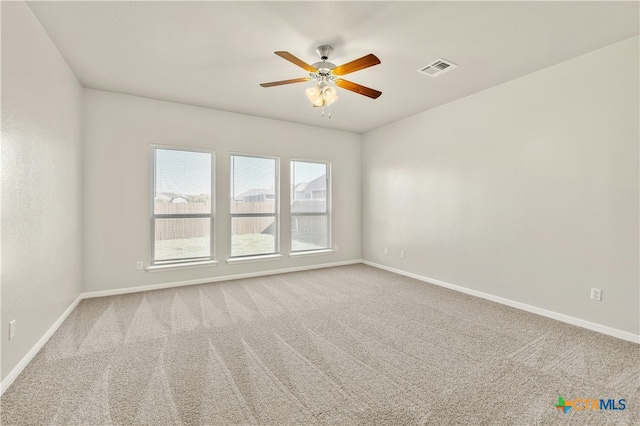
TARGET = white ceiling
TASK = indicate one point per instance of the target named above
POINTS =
(215, 54)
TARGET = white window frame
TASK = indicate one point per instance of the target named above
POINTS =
(258, 256)
(292, 183)
(197, 261)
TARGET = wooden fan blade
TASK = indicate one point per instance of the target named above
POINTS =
(299, 62)
(357, 65)
(280, 83)
(374, 94)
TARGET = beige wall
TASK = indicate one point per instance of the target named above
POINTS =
(119, 130)
(41, 183)
(527, 191)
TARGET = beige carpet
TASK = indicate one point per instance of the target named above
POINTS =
(348, 345)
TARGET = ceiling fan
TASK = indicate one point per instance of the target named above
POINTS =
(325, 72)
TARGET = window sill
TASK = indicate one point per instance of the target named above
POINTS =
(174, 266)
(311, 253)
(248, 259)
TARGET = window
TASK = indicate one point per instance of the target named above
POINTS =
(254, 206)
(310, 206)
(182, 206)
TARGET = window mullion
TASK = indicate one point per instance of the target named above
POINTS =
(183, 216)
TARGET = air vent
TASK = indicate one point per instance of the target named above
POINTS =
(438, 67)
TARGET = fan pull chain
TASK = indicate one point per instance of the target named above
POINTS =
(328, 110)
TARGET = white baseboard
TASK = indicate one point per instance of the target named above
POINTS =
(610, 331)
(214, 279)
(36, 348)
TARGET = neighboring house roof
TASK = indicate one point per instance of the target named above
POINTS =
(318, 183)
(301, 186)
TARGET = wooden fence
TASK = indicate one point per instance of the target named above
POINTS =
(169, 229)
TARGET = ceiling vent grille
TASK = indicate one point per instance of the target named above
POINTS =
(438, 67)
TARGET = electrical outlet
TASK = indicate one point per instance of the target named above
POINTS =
(12, 329)
(596, 294)
(386, 251)
(139, 265)
(402, 254)
(336, 247)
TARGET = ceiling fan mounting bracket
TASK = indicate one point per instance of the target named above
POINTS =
(324, 51)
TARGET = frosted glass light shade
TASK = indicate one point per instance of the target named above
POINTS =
(329, 93)
(313, 93)
(322, 96)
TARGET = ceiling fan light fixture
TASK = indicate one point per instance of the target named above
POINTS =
(329, 94)
(314, 93)
(322, 94)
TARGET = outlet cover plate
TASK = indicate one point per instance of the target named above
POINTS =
(12, 329)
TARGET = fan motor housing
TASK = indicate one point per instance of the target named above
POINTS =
(324, 67)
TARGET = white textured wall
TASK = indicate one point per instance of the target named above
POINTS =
(41, 183)
(119, 130)
(528, 190)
